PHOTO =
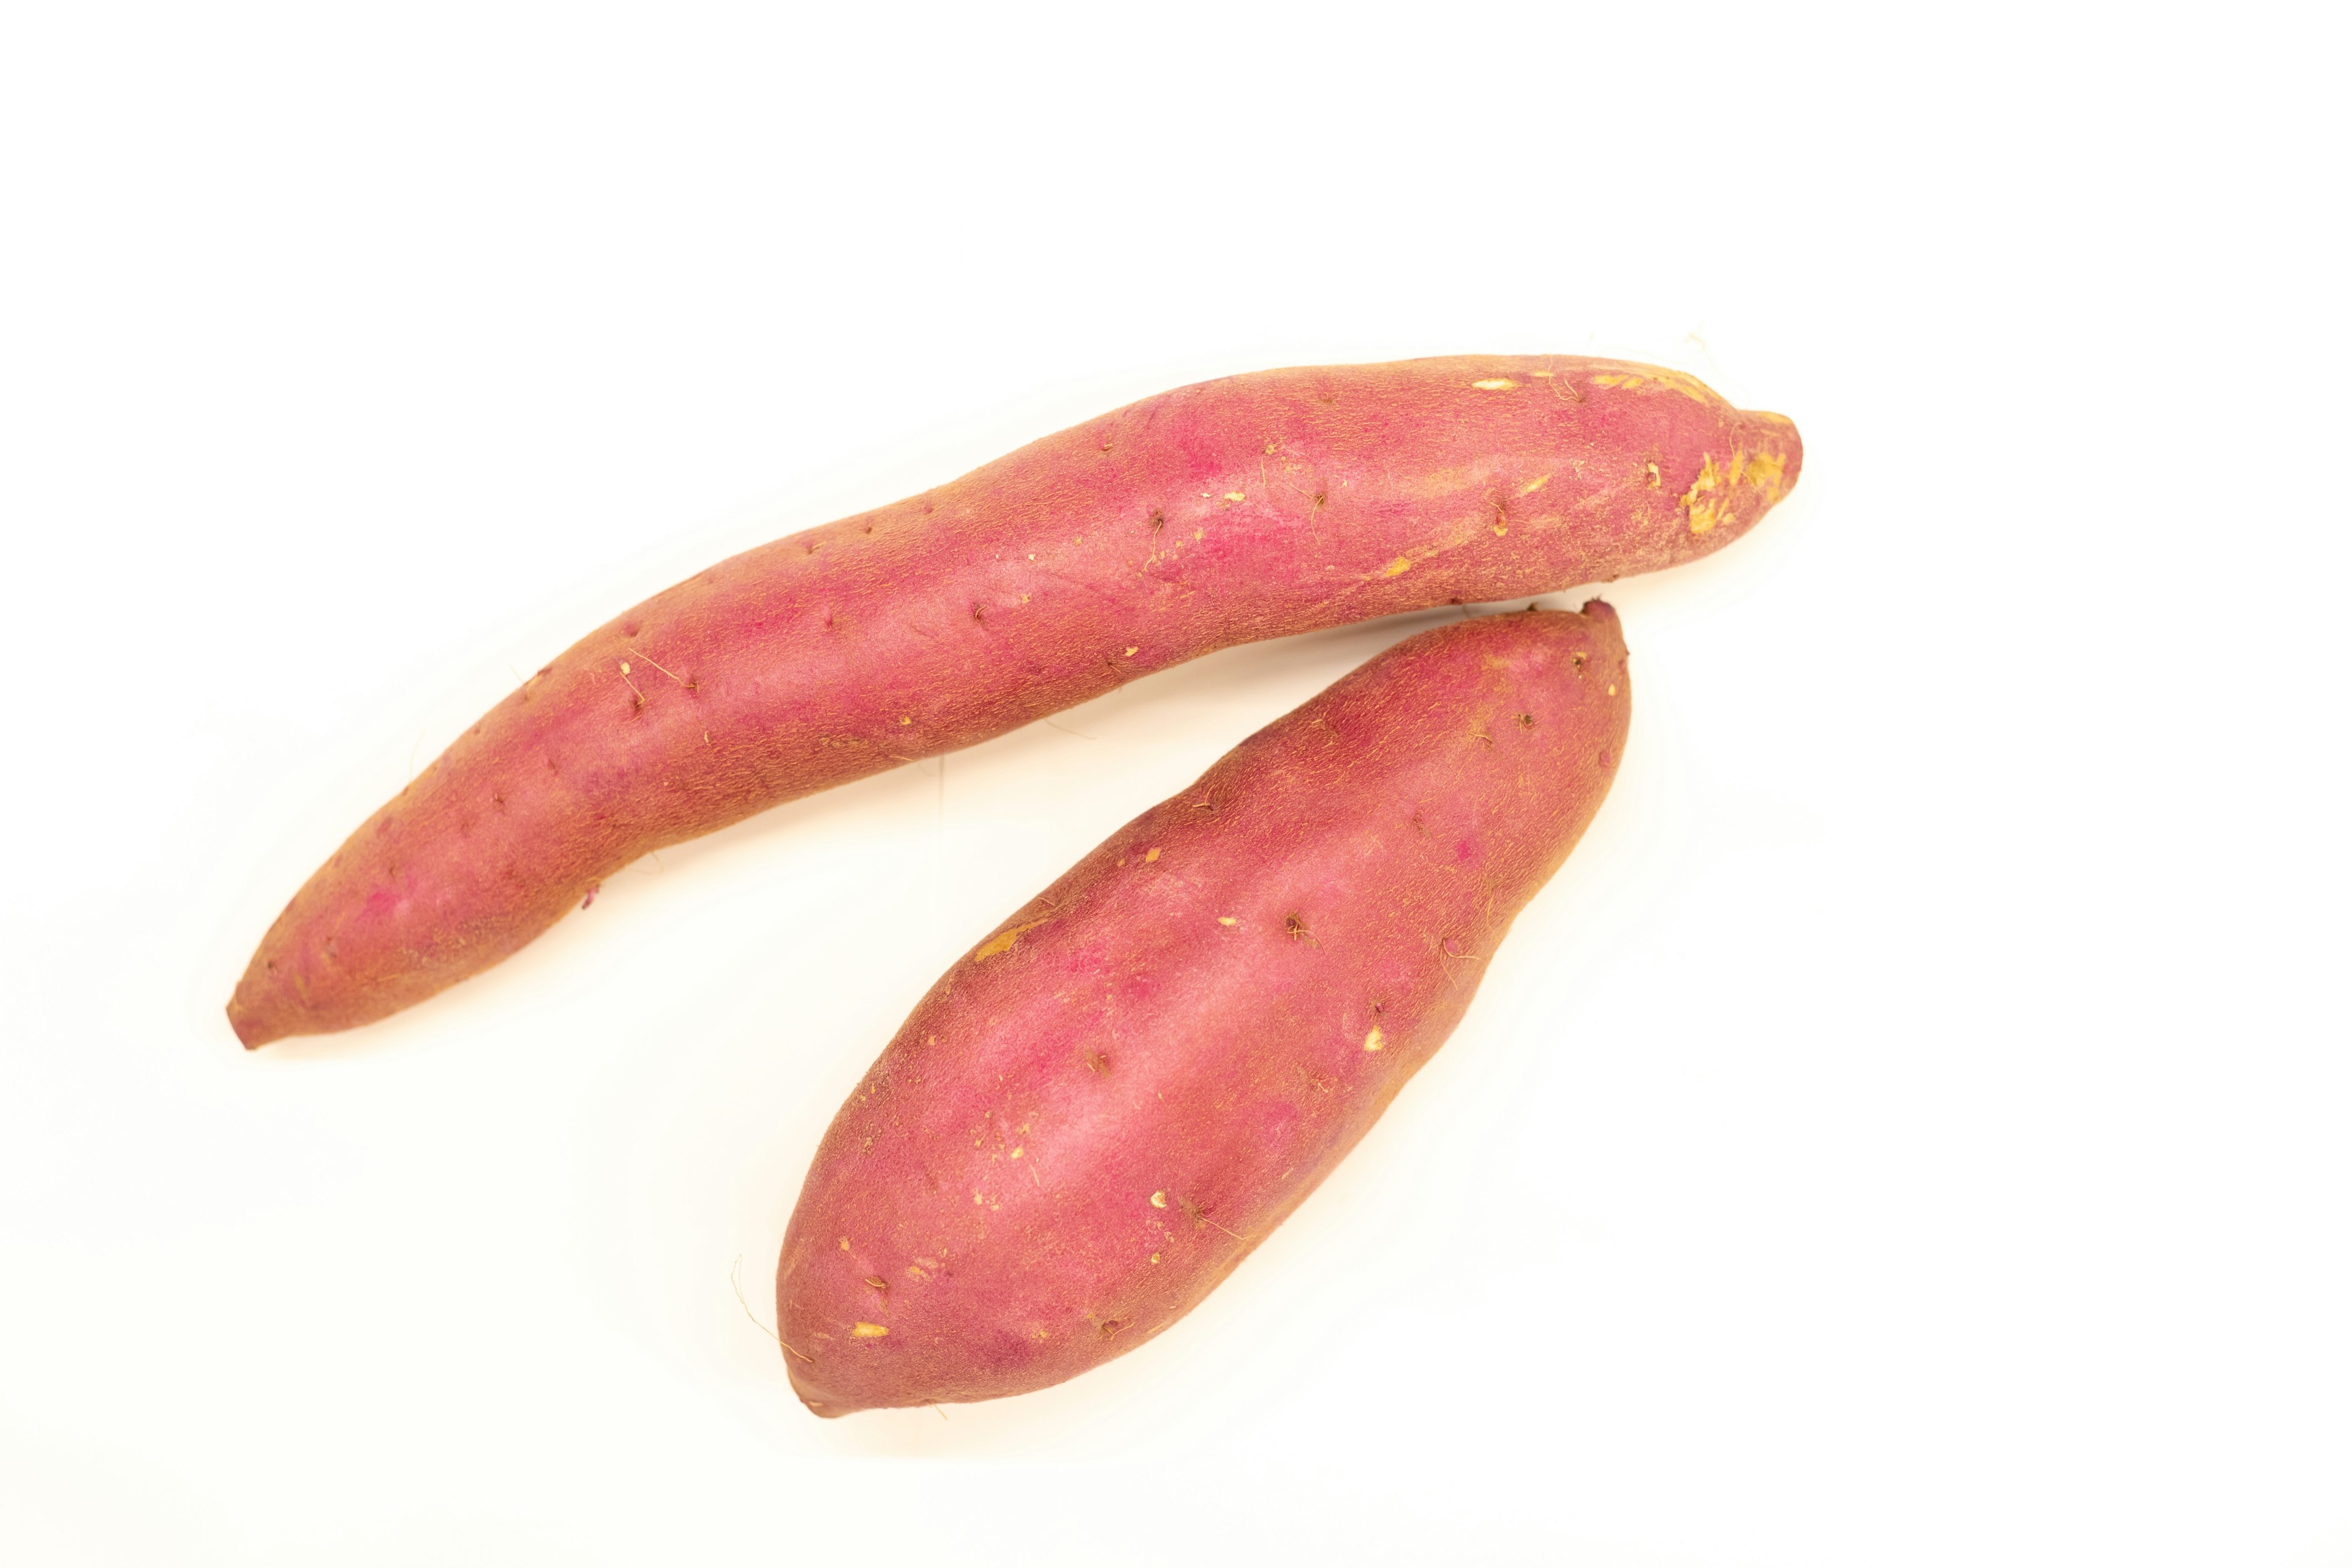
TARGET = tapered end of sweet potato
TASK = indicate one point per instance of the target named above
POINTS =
(1730, 495)
(254, 1029)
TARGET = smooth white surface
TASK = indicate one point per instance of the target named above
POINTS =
(1912, 1130)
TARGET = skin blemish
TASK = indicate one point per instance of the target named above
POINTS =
(1016, 1153)
(878, 1283)
(1527, 721)
(1159, 1200)
(1495, 384)
(1533, 485)
(1613, 692)
(1097, 1062)
(869, 1332)
(1003, 941)
(1653, 475)
(1238, 497)
(1155, 1257)
(1149, 856)
(592, 889)
(1130, 653)
(1227, 921)
(906, 719)
(1375, 1041)
(844, 1243)
(1112, 1327)
(1399, 568)
(1699, 500)
(1576, 660)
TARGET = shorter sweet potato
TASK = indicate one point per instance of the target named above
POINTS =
(1105, 1104)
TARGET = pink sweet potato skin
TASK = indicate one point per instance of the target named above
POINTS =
(1102, 1107)
(1221, 513)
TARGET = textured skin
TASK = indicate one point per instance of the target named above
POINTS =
(1221, 513)
(1099, 1110)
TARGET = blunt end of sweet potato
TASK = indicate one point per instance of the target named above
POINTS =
(822, 1403)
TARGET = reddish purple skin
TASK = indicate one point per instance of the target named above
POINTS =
(1221, 513)
(1099, 1110)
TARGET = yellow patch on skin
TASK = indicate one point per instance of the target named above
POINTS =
(1764, 471)
(625, 667)
(1533, 485)
(1159, 1200)
(1399, 568)
(906, 721)
(1690, 387)
(1130, 653)
(1003, 939)
(1613, 692)
(1653, 475)
(844, 1243)
(1237, 495)
(869, 1332)
(1540, 374)
(1155, 1257)
(1705, 509)
(1375, 1041)
(1016, 1153)
(1149, 856)
(1498, 384)
(1500, 530)
(1227, 921)
(915, 1273)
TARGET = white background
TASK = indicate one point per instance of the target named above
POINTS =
(1913, 1129)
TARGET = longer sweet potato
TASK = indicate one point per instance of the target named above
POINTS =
(1215, 515)
(1105, 1105)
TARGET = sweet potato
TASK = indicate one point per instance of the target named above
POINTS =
(1105, 1104)
(1216, 514)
